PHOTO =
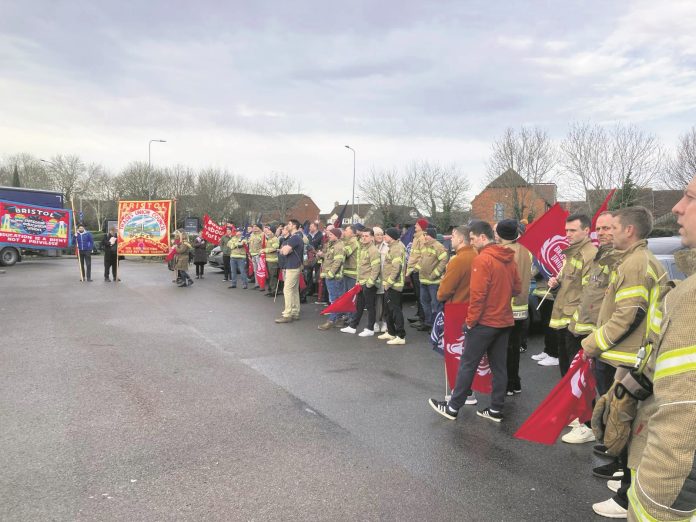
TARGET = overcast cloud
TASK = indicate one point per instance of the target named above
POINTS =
(283, 86)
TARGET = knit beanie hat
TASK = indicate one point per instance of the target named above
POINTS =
(377, 231)
(359, 227)
(508, 229)
(423, 223)
(432, 232)
(393, 233)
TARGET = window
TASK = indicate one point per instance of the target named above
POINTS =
(498, 212)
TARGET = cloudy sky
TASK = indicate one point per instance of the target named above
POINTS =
(282, 86)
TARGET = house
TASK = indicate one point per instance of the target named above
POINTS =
(510, 196)
(371, 215)
(257, 207)
(361, 212)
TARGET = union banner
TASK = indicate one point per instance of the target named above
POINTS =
(33, 226)
(143, 228)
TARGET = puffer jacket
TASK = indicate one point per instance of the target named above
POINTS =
(333, 258)
(432, 263)
(631, 297)
(663, 445)
(594, 287)
(393, 269)
(576, 266)
(369, 266)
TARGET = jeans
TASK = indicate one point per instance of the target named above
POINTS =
(480, 340)
(226, 267)
(395, 316)
(241, 264)
(348, 283)
(431, 306)
(86, 264)
(335, 288)
(366, 298)
(415, 281)
(513, 356)
(291, 292)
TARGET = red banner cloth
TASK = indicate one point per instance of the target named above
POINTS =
(602, 208)
(570, 399)
(261, 267)
(455, 344)
(345, 303)
(212, 232)
(546, 239)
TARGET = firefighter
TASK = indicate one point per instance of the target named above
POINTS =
(332, 258)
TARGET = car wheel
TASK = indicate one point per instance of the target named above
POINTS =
(9, 256)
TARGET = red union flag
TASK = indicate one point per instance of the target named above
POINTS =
(261, 267)
(455, 343)
(212, 232)
(570, 399)
(546, 239)
(344, 304)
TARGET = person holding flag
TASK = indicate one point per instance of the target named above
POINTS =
(494, 281)
(393, 280)
(332, 258)
(255, 244)
(271, 253)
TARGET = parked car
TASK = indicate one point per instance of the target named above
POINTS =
(215, 258)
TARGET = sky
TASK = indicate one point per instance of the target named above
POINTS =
(261, 87)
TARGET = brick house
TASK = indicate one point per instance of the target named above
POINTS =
(510, 196)
(252, 207)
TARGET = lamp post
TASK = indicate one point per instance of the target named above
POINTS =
(358, 198)
(149, 166)
(352, 209)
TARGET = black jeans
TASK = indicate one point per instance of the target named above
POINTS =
(226, 267)
(86, 263)
(604, 375)
(200, 268)
(480, 340)
(110, 264)
(550, 338)
(513, 356)
(395, 316)
(415, 281)
(568, 346)
(366, 298)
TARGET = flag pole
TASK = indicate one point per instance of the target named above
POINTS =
(77, 246)
(276, 291)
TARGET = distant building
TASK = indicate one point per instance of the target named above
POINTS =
(370, 215)
(255, 207)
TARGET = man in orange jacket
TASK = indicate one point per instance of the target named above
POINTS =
(454, 287)
(494, 280)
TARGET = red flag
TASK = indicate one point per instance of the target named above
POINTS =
(345, 303)
(455, 344)
(546, 239)
(261, 267)
(570, 399)
(602, 208)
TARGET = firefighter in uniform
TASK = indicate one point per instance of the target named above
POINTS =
(634, 287)
(411, 271)
(393, 278)
(431, 266)
(271, 251)
(238, 257)
(332, 259)
(255, 245)
(545, 298)
(369, 269)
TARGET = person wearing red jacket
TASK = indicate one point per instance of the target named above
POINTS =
(494, 281)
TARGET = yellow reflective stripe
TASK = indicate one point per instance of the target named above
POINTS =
(601, 341)
(613, 277)
(339, 257)
(582, 327)
(585, 279)
(632, 291)
(559, 323)
(652, 273)
(519, 307)
(442, 256)
(674, 362)
(622, 357)
(375, 261)
(429, 281)
(654, 321)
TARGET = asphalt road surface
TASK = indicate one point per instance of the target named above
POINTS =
(144, 401)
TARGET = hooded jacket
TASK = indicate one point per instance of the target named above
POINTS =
(494, 280)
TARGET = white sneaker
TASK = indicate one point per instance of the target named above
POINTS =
(366, 333)
(614, 485)
(384, 327)
(610, 509)
(471, 401)
(540, 356)
(575, 423)
(579, 435)
(397, 340)
(348, 329)
(386, 337)
(548, 361)
(376, 327)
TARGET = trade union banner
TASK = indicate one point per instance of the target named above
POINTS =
(546, 239)
(32, 226)
(143, 228)
(212, 232)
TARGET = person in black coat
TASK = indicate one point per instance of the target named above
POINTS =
(110, 248)
(200, 256)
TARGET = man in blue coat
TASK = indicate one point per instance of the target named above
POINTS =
(85, 245)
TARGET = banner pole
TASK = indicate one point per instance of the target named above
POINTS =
(276, 290)
(77, 247)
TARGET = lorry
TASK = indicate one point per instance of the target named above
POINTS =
(11, 254)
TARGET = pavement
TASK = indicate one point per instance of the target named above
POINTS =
(140, 400)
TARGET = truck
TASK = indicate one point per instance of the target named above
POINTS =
(11, 254)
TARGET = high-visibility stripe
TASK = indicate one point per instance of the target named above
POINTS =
(375, 261)
(582, 327)
(654, 321)
(430, 281)
(585, 279)
(442, 256)
(674, 362)
(577, 263)
(622, 357)
(613, 277)
(557, 324)
(652, 273)
(601, 341)
(639, 511)
(630, 292)
(519, 307)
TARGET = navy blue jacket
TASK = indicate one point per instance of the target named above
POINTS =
(85, 242)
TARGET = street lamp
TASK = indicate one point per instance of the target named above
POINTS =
(358, 198)
(352, 209)
(149, 166)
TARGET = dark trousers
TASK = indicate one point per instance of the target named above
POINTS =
(200, 268)
(272, 278)
(226, 267)
(513, 356)
(621, 497)
(366, 298)
(550, 338)
(86, 263)
(431, 306)
(568, 346)
(604, 375)
(480, 340)
(110, 265)
(395, 316)
(415, 281)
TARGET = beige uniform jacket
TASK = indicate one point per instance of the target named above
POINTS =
(576, 266)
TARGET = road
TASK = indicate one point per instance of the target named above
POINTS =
(144, 401)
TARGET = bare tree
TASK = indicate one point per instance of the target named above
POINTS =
(283, 189)
(528, 152)
(682, 166)
(32, 173)
(384, 190)
(135, 180)
(213, 192)
(178, 181)
(68, 174)
(450, 193)
(100, 194)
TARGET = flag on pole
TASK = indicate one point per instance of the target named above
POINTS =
(546, 239)
(345, 303)
(570, 399)
(261, 267)
(602, 208)
(339, 220)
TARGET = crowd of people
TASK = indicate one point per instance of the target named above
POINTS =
(609, 303)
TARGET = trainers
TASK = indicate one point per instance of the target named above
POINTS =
(548, 361)
(284, 319)
(397, 340)
(376, 327)
(487, 413)
(386, 337)
(601, 450)
(471, 401)
(614, 485)
(540, 356)
(443, 409)
(328, 325)
(610, 509)
(509, 393)
(384, 328)
(348, 329)
(579, 435)
(611, 471)
(366, 333)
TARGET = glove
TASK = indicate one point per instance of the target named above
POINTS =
(612, 418)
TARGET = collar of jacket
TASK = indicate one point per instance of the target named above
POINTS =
(574, 249)
(622, 254)
(606, 255)
(463, 248)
